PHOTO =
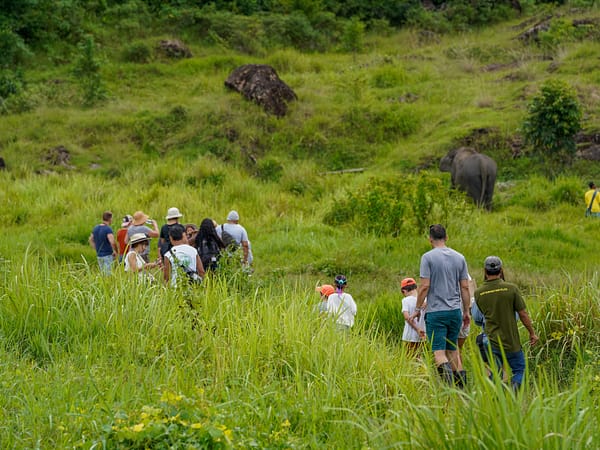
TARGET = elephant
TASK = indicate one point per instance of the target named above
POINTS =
(472, 172)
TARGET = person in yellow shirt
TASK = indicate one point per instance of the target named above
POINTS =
(592, 201)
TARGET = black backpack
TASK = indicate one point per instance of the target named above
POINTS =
(231, 244)
(210, 253)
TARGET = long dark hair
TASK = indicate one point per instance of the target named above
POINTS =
(208, 233)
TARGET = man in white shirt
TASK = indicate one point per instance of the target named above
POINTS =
(181, 255)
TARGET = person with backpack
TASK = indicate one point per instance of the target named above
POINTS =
(209, 245)
(234, 235)
(164, 242)
(592, 201)
(341, 305)
(182, 257)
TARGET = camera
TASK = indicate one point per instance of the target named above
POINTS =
(149, 221)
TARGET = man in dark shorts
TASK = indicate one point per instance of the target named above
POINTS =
(445, 284)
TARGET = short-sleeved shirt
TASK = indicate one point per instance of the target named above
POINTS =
(100, 233)
(239, 233)
(588, 199)
(498, 301)
(164, 238)
(343, 307)
(184, 256)
(445, 268)
(121, 235)
(409, 334)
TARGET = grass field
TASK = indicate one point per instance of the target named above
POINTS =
(245, 362)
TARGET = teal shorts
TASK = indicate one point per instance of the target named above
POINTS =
(443, 328)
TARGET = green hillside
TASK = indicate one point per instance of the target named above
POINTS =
(100, 117)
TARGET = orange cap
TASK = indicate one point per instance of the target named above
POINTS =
(407, 282)
(326, 289)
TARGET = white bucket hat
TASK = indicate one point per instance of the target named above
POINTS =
(138, 237)
(173, 213)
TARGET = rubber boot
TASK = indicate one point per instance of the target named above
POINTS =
(445, 372)
(460, 378)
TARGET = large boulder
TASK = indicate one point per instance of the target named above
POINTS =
(261, 84)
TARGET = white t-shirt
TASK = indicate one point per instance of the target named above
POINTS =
(342, 307)
(185, 256)
(409, 304)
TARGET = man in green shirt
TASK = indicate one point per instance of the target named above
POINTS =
(498, 301)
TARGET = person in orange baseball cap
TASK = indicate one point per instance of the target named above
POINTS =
(325, 290)
(414, 328)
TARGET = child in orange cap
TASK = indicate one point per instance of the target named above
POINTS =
(414, 329)
(326, 290)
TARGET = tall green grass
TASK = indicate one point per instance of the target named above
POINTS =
(95, 357)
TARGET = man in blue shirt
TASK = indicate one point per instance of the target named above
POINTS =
(103, 241)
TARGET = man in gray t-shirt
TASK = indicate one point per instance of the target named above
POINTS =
(240, 235)
(445, 284)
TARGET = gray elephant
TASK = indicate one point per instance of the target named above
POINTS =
(472, 172)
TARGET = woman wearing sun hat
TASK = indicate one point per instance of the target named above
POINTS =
(133, 260)
(138, 225)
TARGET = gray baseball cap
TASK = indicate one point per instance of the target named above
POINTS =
(493, 264)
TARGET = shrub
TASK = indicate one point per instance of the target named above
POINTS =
(137, 52)
(269, 169)
(394, 206)
(293, 30)
(353, 36)
(13, 50)
(87, 73)
(554, 119)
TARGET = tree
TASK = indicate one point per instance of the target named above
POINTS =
(87, 73)
(554, 119)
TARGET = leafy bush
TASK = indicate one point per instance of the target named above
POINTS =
(293, 30)
(188, 422)
(87, 73)
(269, 169)
(391, 207)
(560, 32)
(353, 36)
(554, 119)
(137, 52)
(13, 50)
(11, 83)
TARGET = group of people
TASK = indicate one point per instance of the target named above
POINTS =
(438, 309)
(441, 312)
(182, 248)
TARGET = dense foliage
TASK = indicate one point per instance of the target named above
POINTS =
(554, 117)
(308, 24)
